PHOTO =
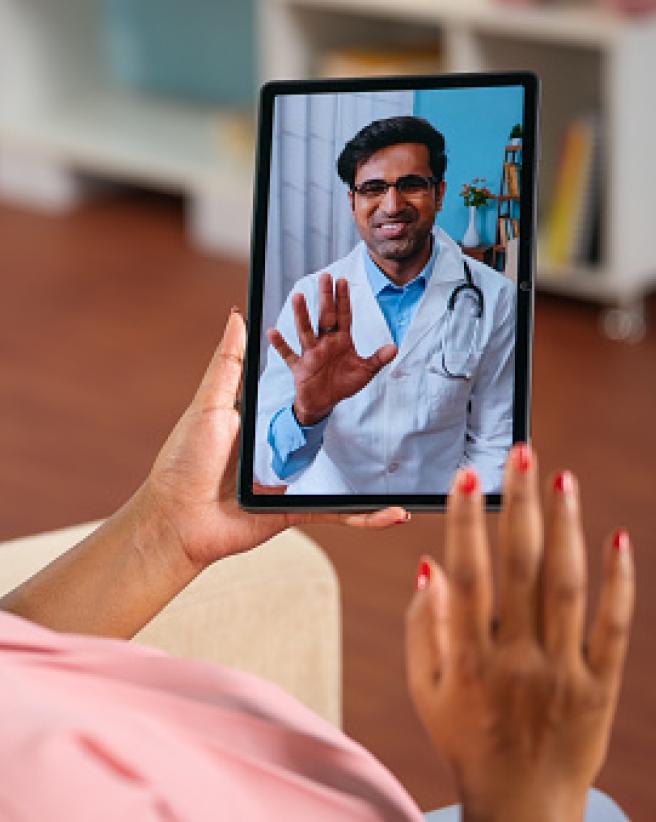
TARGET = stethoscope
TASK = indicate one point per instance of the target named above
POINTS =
(454, 364)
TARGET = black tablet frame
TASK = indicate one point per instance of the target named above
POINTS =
(525, 282)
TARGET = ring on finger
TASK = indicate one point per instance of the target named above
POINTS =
(331, 330)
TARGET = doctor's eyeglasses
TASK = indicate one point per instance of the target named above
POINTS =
(411, 185)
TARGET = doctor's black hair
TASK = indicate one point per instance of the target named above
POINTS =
(390, 132)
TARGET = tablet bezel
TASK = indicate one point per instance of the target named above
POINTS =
(525, 282)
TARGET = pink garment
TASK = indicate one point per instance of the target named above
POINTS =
(99, 729)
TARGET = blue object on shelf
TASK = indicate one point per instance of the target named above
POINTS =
(200, 49)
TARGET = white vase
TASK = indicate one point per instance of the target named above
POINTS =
(471, 238)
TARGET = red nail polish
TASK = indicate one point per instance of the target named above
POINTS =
(235, 310)
(621, 541)
(468, 482)
(564, 482)
(423, 574)
(523, 457)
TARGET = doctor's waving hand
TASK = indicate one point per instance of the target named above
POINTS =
(329, 369)
(394, 367)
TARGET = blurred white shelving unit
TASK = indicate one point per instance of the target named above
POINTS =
(588, 60)
(62, 118)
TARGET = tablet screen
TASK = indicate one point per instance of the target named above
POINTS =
(391, 289)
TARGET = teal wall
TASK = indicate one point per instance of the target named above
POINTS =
(476, 123)
(200, 49)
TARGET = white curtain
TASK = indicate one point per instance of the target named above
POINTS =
(310, 223)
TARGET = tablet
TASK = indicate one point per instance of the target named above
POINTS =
(391, 291)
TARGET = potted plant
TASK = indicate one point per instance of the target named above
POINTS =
(475, 195)
(516, 134)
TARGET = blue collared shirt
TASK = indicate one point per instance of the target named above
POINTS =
(294, 446)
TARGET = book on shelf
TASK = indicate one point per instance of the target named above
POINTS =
(508, 229)
(572, 228)
(511, 179)
(362, 61)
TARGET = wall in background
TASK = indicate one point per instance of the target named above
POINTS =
(476, 124)
(199, 49)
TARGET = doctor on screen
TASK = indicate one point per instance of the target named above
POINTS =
(394, 366)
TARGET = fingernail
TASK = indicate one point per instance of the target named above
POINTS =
(621, 541)
(403, 518)
(564, 482)
(423, 574)
(235, 309)
(468, 482)
(523, 457)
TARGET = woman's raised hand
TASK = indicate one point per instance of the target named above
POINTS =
(519, 705)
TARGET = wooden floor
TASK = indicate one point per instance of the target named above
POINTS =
(107, 321)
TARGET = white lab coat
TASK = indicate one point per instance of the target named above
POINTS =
(411, 427)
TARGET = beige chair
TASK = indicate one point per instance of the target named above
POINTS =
(274, 611)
